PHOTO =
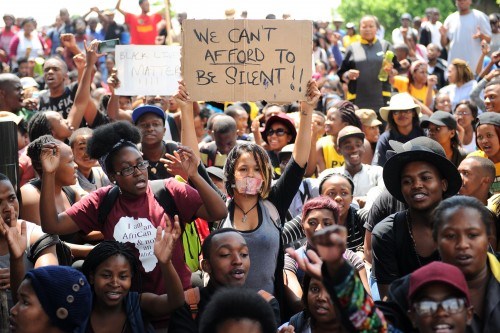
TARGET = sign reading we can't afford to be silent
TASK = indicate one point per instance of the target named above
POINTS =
(247, 60)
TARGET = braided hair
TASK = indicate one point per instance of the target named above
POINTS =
(34, 151)
(347, 112)
(39, 125)
(107, 249)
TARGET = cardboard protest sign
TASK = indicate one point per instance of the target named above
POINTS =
(247, 60)
(148, 70)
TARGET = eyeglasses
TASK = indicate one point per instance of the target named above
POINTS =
(278, 132)
(397, 112)
(429, 308)
(463, 113)
(131, 169)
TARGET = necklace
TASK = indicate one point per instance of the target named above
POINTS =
(153, 167)
(244, 219)
(412, 239)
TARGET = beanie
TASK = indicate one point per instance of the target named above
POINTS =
(64, 293)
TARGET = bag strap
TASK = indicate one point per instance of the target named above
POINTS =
(107, 203)
(192, 297)
(70, 194)
(163, 196)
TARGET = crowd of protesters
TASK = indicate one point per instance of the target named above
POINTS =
(370, 205)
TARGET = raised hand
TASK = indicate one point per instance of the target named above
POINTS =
(91, 52)
(485, 47)
(17, 242)
(182, 95)
(113, 81)
(50, 157)
(310, 264)
(166, 239)
(174, 166)
(188, 159)
(68, 40)
(312, 94)
(432, 81)
(331, 243)
(79, 61)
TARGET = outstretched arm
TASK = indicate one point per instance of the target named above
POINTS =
(119, 9)
(161, 305)
(84, 107)
(302, 142)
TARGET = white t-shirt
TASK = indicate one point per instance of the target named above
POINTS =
(397, 36)
(461, 28)
(434, 29)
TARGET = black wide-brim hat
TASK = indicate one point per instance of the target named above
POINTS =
(419, 149)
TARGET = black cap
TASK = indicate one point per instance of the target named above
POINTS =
(440, 118)
(491, 118)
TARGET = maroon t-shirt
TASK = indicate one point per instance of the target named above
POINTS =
(135, 221)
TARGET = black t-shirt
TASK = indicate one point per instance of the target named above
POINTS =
(394, 254)
(114, 31)
(61, 104)
(384, 205)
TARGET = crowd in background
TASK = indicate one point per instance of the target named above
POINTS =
(370, 205)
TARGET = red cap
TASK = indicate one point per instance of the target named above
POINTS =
(438, 272)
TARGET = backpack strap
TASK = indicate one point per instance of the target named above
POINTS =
(70, 194)
(164, 197)
(174, 131)
(107, 203)
(192, 297)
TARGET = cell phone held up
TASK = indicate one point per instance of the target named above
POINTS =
(108, 45)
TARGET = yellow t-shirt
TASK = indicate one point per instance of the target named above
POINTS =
(332, 158)
(495, 187)
(348, 40)
(402, 84)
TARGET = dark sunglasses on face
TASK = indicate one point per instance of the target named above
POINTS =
(131, 169)
(278, 132)
(429, 308)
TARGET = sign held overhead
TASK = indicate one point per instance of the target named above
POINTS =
(247, 60)
(148, 70)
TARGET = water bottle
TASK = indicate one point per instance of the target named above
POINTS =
(382, 75)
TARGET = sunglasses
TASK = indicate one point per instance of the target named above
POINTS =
(278, 132)
(131, 169)
(429, 308)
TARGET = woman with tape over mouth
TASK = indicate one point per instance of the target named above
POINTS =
(135, 208)
(257, 209)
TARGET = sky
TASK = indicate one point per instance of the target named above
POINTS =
(44, 11)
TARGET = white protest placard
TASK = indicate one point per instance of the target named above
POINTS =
(247, 60)
(148, 69)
